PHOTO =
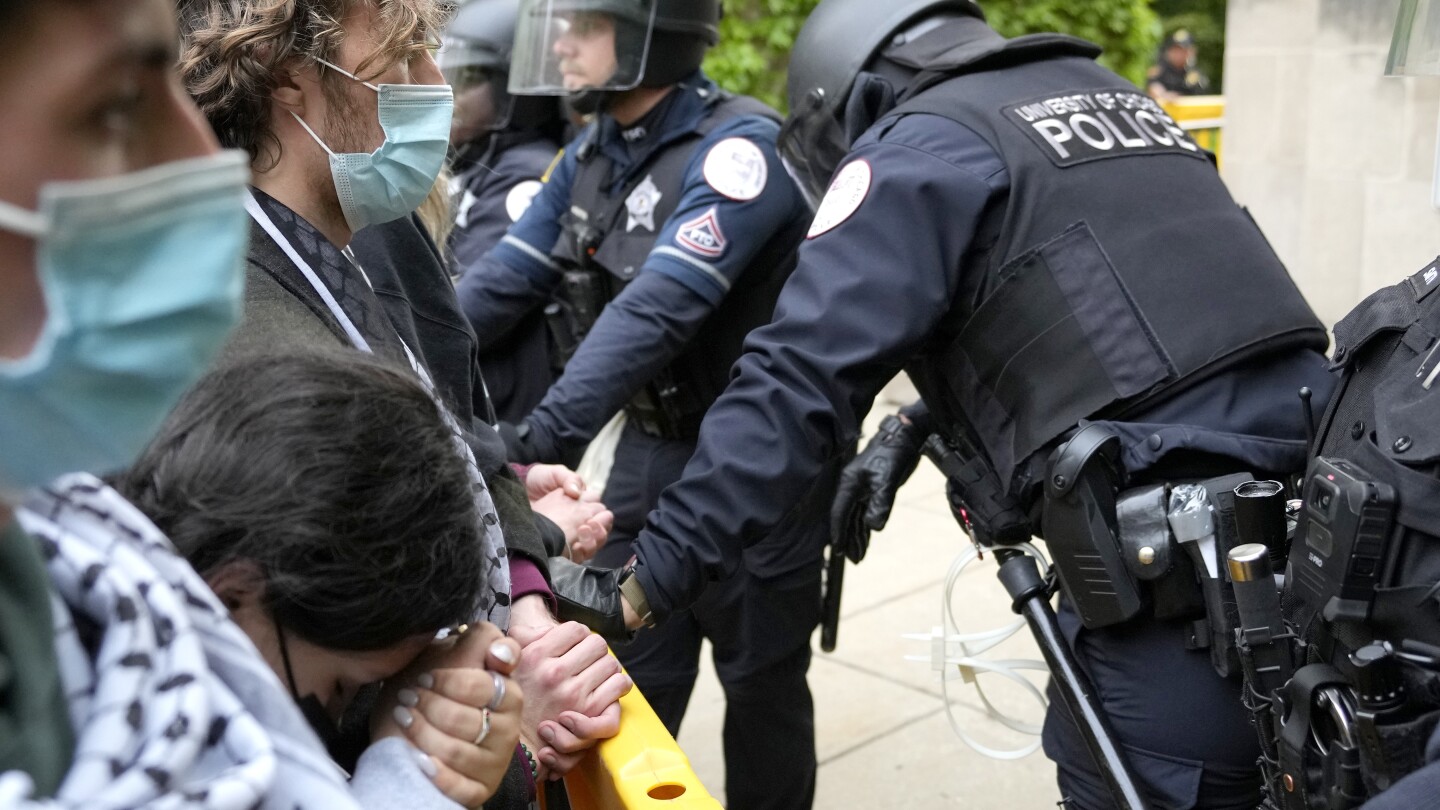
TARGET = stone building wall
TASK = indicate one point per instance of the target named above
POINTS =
(1333, 159)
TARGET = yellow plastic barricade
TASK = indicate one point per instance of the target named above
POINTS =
(641, 767)
(1201, 116)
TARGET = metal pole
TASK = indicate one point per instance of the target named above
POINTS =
(1031, 599)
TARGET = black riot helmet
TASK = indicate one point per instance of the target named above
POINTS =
(586, 49)
(839, 40)
(475, 60)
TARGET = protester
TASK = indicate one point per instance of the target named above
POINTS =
(121, 229)
(321, 497)
(342, 112)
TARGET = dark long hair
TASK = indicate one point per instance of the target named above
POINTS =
(335, 475)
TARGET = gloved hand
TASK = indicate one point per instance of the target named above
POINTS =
(590, 596)
(868, 484)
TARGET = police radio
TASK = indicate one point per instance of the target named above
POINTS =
(1346, 524)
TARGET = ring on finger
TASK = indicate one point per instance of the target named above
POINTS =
(484, 726)
(499, 696)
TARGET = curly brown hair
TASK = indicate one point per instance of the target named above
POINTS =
(232, 51)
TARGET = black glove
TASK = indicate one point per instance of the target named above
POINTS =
(868, 484)
(590, 596)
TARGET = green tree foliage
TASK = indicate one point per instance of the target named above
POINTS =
(756, 36)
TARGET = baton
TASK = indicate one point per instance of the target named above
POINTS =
(830, 602)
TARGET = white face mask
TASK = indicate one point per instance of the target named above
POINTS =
(392, 181)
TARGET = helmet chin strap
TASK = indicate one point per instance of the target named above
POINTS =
(589, 102)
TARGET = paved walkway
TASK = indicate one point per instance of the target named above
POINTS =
(883, 737)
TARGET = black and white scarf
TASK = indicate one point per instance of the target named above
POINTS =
(172, 704)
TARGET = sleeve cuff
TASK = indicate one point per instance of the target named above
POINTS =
(526, 580)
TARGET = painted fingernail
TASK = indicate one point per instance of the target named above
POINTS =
(426, 681)
(427, 765)
(403, 717)
(407, 697)
(548, 734)
(503, 651)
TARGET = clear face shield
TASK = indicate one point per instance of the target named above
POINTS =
(1415, 51)
(811, 145)
(564, 47)
(475, 72)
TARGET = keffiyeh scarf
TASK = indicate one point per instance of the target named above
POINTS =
(172, 704)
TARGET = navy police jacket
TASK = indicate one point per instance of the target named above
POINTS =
(681, 282)
(899, 255)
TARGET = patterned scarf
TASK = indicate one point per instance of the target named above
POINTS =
(172, 704)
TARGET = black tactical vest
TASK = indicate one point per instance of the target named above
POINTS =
(600, 255)
(1123, 270)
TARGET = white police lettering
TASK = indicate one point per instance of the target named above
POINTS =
(640, 205)
(702, 235)
(736, 168)
(846, 193)
(517, 202)
(1084, 126)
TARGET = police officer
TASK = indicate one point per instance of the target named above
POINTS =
(667, 228)
(502, 146)
(1001, 221)
(1174, 73)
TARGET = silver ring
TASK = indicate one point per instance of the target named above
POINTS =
(484, 726)
(499, 696)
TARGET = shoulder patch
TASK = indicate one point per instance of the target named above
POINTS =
(736, 168)
(702, 235)
(517, 202)
(847, 191)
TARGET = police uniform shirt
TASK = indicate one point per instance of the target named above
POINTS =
(1184, 81)
(720, 224)
(880, 271)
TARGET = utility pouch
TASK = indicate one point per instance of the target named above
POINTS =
(1153, 557)
(1079, 524)
(560, 325)
(584, 294)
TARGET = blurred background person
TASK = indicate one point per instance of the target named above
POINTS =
(1174, 73)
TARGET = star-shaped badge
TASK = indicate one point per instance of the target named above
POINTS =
(641, 205)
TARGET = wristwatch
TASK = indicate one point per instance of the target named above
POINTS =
(631, 591)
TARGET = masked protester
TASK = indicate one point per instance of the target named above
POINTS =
(346, 120)
(122, 230)
(275, 463)
(983, 226)
(666, 229)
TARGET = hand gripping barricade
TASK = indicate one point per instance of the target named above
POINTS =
(1342, 666)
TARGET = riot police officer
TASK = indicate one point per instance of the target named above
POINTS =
(667, 229)
(1002, 221)
(502, 146)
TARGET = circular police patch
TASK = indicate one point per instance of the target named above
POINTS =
(517, 202)
(736, 168)
(843, 199)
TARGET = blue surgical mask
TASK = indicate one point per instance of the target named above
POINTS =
(143, 279)
(392, 181)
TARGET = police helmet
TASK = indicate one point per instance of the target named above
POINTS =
(655, 43)
(474, 51)
(1181, 38)
(840, 39)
